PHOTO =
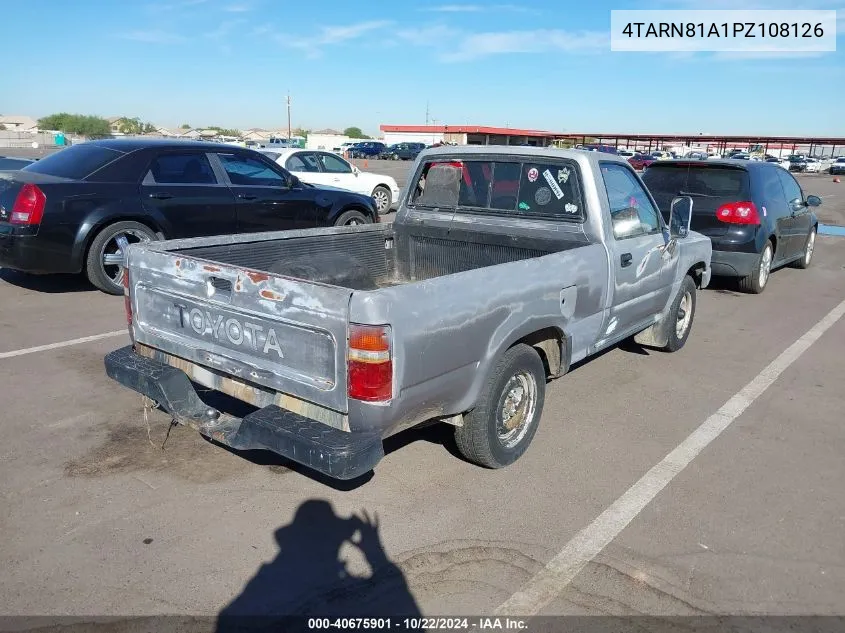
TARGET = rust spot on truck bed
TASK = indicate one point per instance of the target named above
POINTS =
(178, 263)
(272, 295)
(258, 277)
(211, 269)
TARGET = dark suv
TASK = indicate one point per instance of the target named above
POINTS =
(367, 149)
(403, 151)
(755, 214)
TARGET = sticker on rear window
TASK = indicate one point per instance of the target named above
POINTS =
(543, 196)
(533, 174)
(563, 174)
(553, 184)
(524, 206)
(571, 208)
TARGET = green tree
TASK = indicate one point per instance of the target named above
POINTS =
(84, 125)
(223, 131)
(149, 128)
(300, 131)
(354, 132)
(2, 127)
(185, 126)
(131, 126)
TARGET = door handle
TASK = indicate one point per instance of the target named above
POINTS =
(161, 196)
(247, 196)
(626, 259)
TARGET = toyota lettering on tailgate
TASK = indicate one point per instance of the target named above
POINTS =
(236, 332)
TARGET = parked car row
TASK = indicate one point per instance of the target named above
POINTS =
(78, 209)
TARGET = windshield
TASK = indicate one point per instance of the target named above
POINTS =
(76, 162)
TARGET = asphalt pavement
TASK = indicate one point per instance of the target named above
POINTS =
(105, 513)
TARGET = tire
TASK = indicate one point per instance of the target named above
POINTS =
(483, 439)
(756, 282)
(105, 245)
(352, 218)
(681, 316)
(809, 248)
(383, 198)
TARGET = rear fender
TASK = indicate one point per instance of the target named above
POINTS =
(101, 217)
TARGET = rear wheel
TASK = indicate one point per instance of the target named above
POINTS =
(383, 198)
(104, 265)
(756, 282)
(504, 421)
(809, 247)
(351, 218)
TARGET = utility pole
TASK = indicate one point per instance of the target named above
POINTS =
(426, 112)
(289, 130)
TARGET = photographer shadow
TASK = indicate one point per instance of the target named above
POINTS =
(309, 578)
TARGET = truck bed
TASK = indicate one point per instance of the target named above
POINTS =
(382, 255)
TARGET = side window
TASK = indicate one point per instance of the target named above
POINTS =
(773, 195)
(190, 168)
(791, 188)
(549, 190)
(334, 165)
(302, 162)
(475, 184)
(248, 171)
(630, 208)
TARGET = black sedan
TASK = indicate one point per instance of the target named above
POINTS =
(755, 213)
(76, 210)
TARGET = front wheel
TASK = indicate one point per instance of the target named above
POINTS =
(681, 316)
(351, 218)
(504, 421)
(104, 265)
(809, 247)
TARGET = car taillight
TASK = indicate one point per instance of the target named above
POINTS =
(370, 363)
(738, 213)
(28, 208)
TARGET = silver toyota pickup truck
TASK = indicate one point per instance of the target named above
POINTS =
(503, 267)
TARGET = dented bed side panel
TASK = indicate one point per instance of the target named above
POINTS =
(285, 334)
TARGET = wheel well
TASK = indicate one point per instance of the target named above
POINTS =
(696, 271)
(774, 240)
(549, 343)
(98, 228)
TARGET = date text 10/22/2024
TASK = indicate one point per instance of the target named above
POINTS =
(419, 624)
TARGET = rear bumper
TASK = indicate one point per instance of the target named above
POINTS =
(26, 253)
(732, 264)
(335, 453)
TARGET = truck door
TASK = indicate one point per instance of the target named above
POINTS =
(640, 287)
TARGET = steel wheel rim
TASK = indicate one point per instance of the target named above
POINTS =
(684, 315)
(517, 408)
(113, 253)
(811, 243)
(353, 222)
(381, 200)
(765, 265)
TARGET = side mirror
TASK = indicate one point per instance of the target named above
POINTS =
(294, 182)
(814, 201)
(680, 217)
(355, 170)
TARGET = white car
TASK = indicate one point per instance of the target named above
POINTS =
(319, 167)
(813, 165)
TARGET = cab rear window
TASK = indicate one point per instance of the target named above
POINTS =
(542, 188)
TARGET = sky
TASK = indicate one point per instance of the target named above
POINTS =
(544, 64)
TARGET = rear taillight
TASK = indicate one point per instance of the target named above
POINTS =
(738, 213)
(29, 206)
(370, 363)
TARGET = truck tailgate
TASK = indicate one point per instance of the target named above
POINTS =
(285, 334)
